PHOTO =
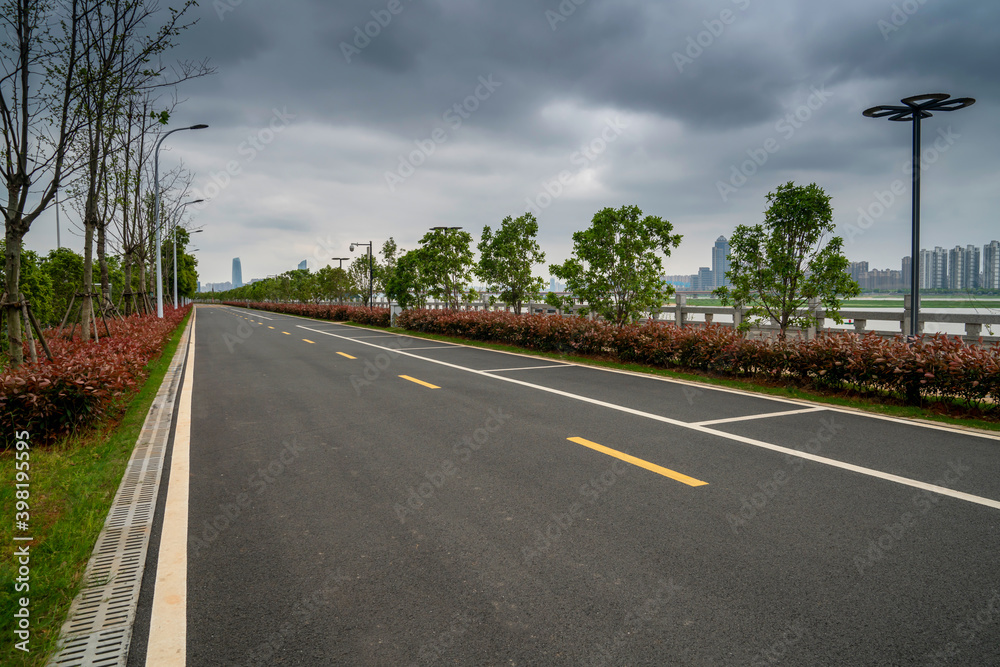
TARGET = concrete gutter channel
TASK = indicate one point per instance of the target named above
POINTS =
(98, 628)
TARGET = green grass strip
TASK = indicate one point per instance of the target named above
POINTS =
(72, 486)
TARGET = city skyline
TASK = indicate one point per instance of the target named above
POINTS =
(461, 115)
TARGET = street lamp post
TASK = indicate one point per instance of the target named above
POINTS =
(917, 108)
(341, 267)
(447, 276)
(187, 203)
(156, 212)
(371, 272)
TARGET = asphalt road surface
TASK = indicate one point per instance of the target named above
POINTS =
(362, 498)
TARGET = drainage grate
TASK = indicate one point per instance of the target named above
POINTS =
(98, 628)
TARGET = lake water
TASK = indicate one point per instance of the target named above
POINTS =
(873, 324)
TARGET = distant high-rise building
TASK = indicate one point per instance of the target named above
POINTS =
(720, 262)
(858, 270)
(963, 267)
(907, 271)
(303, 266)
(237, 273)
(956, 267)
(939, 269)
(926, 268)
(198, 290)
(704, 280)
(991, 265)
(970, 279)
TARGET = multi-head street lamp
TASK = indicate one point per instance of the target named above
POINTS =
(915, 109)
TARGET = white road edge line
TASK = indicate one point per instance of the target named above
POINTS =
(765, 415)
(525, 368)
(940, 490)
(167, 645)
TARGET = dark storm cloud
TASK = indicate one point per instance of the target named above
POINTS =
(701, 86)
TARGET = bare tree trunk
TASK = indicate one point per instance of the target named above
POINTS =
(12, 256)
(88, 278)
(102, 262)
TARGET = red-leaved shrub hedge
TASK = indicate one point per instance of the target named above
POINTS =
(937, 366)
(360, 314)
(82, 383)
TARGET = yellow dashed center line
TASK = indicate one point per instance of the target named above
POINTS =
(420, 382)
(270, 327)
(344, 354)
(684, 479)
(309, 341)
(286, 333)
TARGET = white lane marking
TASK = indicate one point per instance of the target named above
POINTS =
(940, 490)
(255, 313)
(760, 416)
(378, 336)
(167, 643)
(526, 368)
(711, 387)
(438, 347)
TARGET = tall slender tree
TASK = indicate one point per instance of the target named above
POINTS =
(40, 49)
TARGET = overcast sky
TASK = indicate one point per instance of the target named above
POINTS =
(459, 113)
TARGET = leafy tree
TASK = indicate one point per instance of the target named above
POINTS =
(360, 272)
(615, 267)
(407, 286)
(333, 284)
(775, 268)
(65, 269)
(187, 274)
(447, 264)
(383, 271)
(507, 257)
